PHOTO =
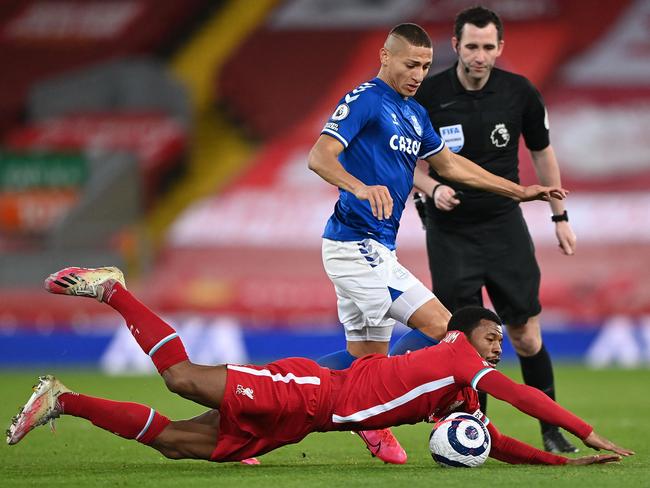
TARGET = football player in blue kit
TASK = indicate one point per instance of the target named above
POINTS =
(369, 149)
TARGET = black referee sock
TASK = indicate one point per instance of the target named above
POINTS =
(537, 372)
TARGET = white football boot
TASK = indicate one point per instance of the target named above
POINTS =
(86, 282)
(41, 408)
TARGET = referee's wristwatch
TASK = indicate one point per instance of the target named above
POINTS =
(563, 217)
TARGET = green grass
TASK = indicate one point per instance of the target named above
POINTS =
(617, 402)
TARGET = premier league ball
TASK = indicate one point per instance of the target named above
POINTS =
(459, 441)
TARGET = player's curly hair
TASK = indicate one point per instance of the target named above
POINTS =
(480, 17)
(466, 319)
(413, 34)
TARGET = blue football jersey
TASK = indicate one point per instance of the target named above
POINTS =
(384, 134)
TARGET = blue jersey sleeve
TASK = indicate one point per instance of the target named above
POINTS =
(352, 114)
(431, 141)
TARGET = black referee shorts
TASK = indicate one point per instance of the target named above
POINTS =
(498, 254)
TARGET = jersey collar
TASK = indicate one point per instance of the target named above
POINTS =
(389, 89)
(490, 86)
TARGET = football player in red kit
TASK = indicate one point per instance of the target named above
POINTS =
(255, 409)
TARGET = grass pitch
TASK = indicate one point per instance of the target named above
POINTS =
(617, 402)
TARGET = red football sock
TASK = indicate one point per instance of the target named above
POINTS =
(126, 419)
(157, 338)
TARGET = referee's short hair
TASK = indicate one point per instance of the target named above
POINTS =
(413, 34)
(480, 17)
(467, 319)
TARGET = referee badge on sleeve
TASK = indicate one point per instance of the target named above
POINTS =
(453, 137)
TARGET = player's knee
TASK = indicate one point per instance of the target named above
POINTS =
(172, 454)
(434, 327)
(178, 383)
(431, 319)
(166, 445)
(526, 345)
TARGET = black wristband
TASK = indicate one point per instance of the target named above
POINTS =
(433, 192)
(563, 217)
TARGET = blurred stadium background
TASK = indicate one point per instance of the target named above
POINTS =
(170, 139)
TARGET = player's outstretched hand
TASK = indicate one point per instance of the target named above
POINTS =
(598, 442)
(538, 192)
(381, 203)
(594, 459)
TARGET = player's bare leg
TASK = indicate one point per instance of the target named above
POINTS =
(185, 439)
(211, 418)
(362, 348)
(195, 438)
(428, 326)
(189, 439)
(431, 319)
(526, 339)
(202, 384)
(537, 371)
(51, 399)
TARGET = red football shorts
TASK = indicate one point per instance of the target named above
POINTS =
(265, 407)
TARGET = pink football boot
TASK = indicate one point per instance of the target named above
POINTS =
(86, 282)
(383, 444)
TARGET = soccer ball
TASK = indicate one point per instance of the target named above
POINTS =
(460, 441)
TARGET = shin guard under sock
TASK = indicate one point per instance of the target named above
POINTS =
(156, 338)
(126, 419)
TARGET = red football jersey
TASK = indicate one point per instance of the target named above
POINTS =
(269, 406)
(421, 386)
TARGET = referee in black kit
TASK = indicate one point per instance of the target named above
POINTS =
(475, 238)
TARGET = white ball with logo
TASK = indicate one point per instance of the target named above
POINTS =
(459, 441)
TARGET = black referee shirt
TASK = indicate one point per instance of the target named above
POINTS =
(484, 126)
